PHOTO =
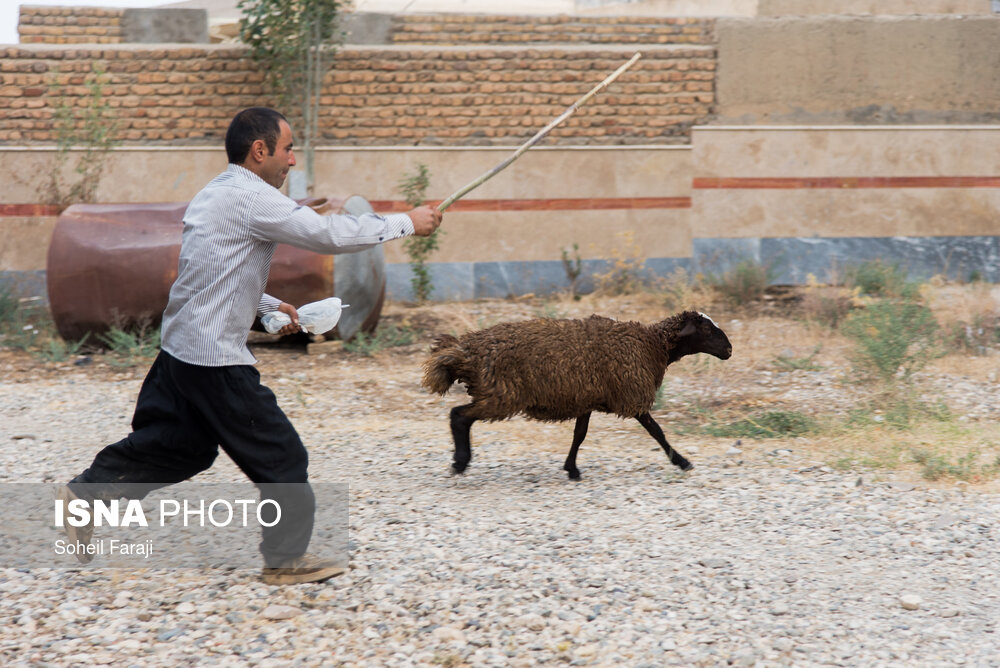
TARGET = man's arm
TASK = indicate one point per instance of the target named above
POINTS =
(277, 218)
(268, 304)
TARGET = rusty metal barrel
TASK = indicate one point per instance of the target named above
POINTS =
(113, 265)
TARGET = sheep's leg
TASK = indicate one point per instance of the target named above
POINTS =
(461, 426)
(676, 458)
(579, 433)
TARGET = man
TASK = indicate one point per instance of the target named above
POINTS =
(202, 391)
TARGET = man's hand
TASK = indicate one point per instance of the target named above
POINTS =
(293, 327)
(425, 219)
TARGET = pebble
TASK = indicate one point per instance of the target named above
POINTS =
(447, 634)
(280, 612)
(910, 602)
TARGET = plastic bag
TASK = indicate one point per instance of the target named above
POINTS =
(314, 318)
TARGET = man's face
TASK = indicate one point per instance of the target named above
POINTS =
(274, 168)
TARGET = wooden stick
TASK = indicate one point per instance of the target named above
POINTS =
(538, 136)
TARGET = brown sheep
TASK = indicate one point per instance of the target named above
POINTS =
(556, 370)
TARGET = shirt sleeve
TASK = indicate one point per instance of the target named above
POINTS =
(267, 304)
(280, 219)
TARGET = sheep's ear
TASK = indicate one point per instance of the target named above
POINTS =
(688, 330)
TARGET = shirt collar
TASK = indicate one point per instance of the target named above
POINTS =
(244, 173)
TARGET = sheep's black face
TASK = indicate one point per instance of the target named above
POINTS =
(702, 335)
(717, 344)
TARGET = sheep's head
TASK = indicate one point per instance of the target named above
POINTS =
(699, 334)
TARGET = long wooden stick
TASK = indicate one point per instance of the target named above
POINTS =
(538, 136)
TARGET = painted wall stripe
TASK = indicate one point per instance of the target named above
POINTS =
(549, 204)
(397, 206)
(29, 210)
(791, 183)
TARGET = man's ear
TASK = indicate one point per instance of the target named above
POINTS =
(258, 150)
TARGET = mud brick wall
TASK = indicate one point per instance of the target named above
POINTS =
(70, 25)
(156, 94)
(394, 96)
(478, 29)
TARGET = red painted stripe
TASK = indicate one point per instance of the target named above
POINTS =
(549, 204)
(29, 210)
(391, 206)
(738, 183)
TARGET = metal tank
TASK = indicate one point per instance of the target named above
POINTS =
(113, 265)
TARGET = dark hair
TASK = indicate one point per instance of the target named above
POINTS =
(247, 127)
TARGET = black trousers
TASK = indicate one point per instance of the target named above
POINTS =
(183, 414)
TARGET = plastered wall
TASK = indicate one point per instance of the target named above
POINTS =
(821, 70)
(547, 200)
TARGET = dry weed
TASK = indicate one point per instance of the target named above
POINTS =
(627, 273)
(827, 305)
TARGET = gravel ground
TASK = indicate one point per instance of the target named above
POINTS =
(761, 556)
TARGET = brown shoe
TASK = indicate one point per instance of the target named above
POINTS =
(80, 537)
(307, 568)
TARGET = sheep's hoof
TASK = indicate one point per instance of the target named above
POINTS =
(686, 466)
(574, 474)
(458, 468)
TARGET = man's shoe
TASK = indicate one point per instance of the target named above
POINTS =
(307, 568)
(79, 537)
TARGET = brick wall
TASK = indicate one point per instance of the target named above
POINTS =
(373, 96)
(479, 29)
(70, 25)
(78, 25)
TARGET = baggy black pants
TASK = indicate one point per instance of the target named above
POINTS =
(183, 414)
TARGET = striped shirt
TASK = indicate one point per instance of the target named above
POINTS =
(231, 229)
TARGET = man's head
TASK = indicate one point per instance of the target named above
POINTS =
(260, 139)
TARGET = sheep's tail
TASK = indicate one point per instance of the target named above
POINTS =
(441, 370)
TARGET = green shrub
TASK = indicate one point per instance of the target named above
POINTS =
(771, 424)
(897, 410)
(879, 279)
(744, 283)
(56, 349)
(385, 336)
(905, 413)
(893, 339)
(9, 304)
(882, 458)
(22, 324)
(92, 127)
(935, 466)
(131, 345)
(419, 249)
(786, 363)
